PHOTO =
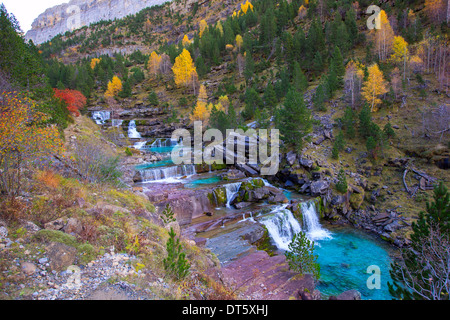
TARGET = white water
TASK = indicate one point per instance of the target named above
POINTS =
(132, 131)
(231, 190)
(167, 174)
(311, 224)
(164, 142)
(101, 116)
(282, 225)
(139, 145)
(116, 122)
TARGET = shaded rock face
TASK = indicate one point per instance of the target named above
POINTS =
(79, 13)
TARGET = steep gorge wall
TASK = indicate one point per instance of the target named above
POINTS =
(79, 13)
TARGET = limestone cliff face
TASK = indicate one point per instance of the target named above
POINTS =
(79, 13)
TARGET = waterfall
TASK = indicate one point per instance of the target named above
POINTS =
(139, 145)
(232, 189)
(116, 122)
(311, 224)
(100, 117)
(132, 131)
(282, 225)
(167, 174)
(163, 142)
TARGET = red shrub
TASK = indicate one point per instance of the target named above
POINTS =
(74, 100)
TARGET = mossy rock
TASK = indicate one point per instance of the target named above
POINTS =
(258, 183)
(356, 200)
(85, 251)
(318, 202)
(265, 243)
(298, 214)
(220, 196)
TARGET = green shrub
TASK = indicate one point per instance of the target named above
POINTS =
(341, 185)
(175, 264)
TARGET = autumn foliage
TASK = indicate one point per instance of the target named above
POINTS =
(184, 69)
(114, 87)
(74, 100)
(24, 138)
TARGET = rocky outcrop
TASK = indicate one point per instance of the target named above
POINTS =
(261, 277)
(79, 13)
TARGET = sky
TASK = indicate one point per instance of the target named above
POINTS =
(26, 11)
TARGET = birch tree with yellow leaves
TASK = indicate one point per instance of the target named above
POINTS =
(383, 37)
(374, 87)
(184, 70)
(114, 87)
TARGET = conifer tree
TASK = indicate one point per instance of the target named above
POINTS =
(294, 119)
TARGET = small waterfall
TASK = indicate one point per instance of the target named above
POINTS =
(311, 224)
(232, 189)
(116, 122)
(100, 117)
(139, 145)
(167, 173)
(132, 131)
(282, 225)
(163, 142)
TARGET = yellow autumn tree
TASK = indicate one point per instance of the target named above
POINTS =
(246, 6)
(154, 63)
(219, 27)
(223, 103)
(302, 12)
(201, 111)
(374, 87)
(114, 87)
(383, 37)
(184, 70)
(399, 50)
(202, 27)
(94, 62)
(186, 41)
(239, 42)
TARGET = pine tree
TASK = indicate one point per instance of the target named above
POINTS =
(300, 82)
(341, 185)
(300, 255)
(270, 97)
(422, 271)
(294, 119)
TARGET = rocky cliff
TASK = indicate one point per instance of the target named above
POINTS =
(79, 13)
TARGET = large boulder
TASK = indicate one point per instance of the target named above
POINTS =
(349, 295)
(319, 187)
(61, 256)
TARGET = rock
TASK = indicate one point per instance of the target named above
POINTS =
(316, 176)
(356, 200)
(3, 232)
(247, 170)
(291, 156)
(57, 20)
(241, 205)
(61, 256)
(57, 224)
(319, 187)
(349, 295)
(233, 174)
(30, 226)
(175, 226)
(73, 226)
(306, 163)
(28, 268)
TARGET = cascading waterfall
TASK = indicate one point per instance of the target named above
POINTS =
(282, 225)
(163, 142)
(100, 117)
(167, 173)
(139, 145)
(132, 131)
(232, 189)
(311, 224)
